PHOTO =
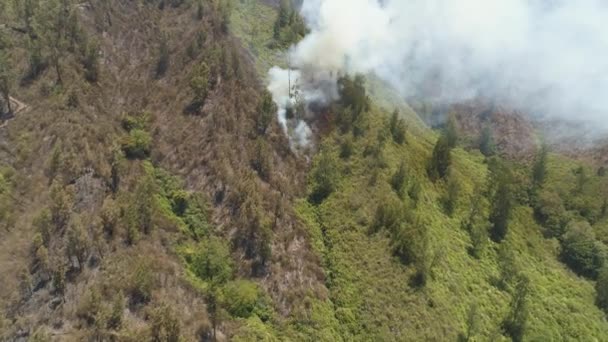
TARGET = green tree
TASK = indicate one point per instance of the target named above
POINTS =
(581, 179)
(240, 298)
(57, 14)
(199, 83)
(398, 128)
(549, 210)
(507, 267)
(399, 179)
(61, 204)
(486, 142)
(352, 94)
(90, 62)
(516, 321)
(6, 81)
(325, 177)
(472, 327)
(451, 131)
(501, 207)
(581, 251)
(389, 215)
(441, 159)
(77, 245)
(539, 170)
(164, 324)
(212, 261)
(137, 144)
(450, 200)
(144, 203)
(601, 289)
(116, 313)
(266, 112)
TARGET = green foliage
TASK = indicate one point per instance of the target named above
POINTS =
(399, 180)
(266, 112)
(61, 204)
(581, 179)
(141, 283)
(289, 27)
(262, 161)
(138, 121)
(601, 289)
(7, 202)
(137, 144)
(486, 142)
(550, 212)
(398, 128)
(325, 177)
(6, 81)
(353, 94)
(441, 159)
(164, 324)
(212, 262)
(241, 298)
(110, 215)
(502, 204)
(517, 319)
(581, 251)
(199, 83)
(539, 170)
(347, 147)
(507, 267)
(451, 131)
(77, 245)
(450, 200)
(116, 313)
(90, 62)
(389, 215)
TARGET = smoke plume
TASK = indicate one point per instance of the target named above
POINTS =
(548, 58)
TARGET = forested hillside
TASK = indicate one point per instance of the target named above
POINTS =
(149, 193)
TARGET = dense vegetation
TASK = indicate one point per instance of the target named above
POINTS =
(148, 193)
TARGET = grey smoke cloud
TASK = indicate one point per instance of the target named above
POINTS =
(545, 57)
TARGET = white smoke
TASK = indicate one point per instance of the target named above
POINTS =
(546, 57)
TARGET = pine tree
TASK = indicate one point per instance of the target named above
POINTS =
(601, 289)
(440, 160)
(399, 179)
(486, 142)
(451, 131)
(6, 80)
(501, 209)
(397, 128)
(515, 323)
(539, 170)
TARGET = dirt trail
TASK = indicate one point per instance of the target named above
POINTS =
(17, 106)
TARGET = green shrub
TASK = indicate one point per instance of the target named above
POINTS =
(441, 159)
(581, 251)
(137, 144)
(141, 283)
(549, 210)
(398, 128)
(164, 324)
(516, 322)
(212, 262)
(399, 179)
(389, 215)
(241, 297)
(450, 199)
(601, 289)
(325, 177)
